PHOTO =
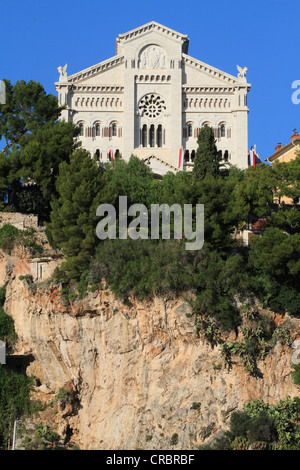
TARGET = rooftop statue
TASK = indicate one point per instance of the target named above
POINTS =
(62, 72)
(242, 71)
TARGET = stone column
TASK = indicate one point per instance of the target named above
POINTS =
(129, 110)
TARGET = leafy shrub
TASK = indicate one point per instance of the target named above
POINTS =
(239, 423)
(274, 424)
(7, 329)
(261, 428)
(45, 437)
(240, 443)
(64, 396)
(296, 374)
(196, 405)
(14, 400)
(275, 258)
(255, 345)
(8, 235)
(141, 268)
(2, 295)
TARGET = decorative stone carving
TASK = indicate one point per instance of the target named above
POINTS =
(153, 57)
(62, 72)
(242, 71)
(151, 106)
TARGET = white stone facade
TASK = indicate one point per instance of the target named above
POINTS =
(152, 98)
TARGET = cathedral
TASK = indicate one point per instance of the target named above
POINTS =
(151, 100)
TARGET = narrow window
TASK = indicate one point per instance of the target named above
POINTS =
(189, 130)
(159, 135)
(186, 156)
(226, 155)
(81, 129)
(144, 135)
(97, 129)
(223, 131)
(193, 154)
(114, 130)
(152, 136)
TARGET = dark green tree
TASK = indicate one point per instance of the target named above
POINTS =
(36, 142)
(254, 193)
(133, 179)
(274, 259)
(43, 151)
(15, 401)
(30, 200)
(263, 192)
(27, 108)
(73, 217)
(207, 159)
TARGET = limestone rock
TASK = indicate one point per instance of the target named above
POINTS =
(136, 370)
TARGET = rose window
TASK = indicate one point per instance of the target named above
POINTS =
(151, 106)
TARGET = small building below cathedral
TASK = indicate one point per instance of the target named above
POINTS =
(288, 152)
(151, 100)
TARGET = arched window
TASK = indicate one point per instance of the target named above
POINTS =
(226, 155)
(159, 135)
(193, 154)
(186, 156)
(113, 130)
(97, 130)
(189, 130)
(144, 135)
(152, 136)
(97, 154)
(220, 154)
(222, 130)
(81, 129)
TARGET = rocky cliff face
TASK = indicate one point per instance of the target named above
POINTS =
(140, 373)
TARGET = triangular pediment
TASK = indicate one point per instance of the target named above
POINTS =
(158, 165)
(88, 75)
(146, 29)
(209, 75)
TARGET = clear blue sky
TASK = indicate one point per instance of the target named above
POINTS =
(39, 35)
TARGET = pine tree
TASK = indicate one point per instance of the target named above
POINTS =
(73, 217)
(35, 143)
(207, 159)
